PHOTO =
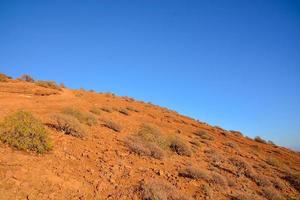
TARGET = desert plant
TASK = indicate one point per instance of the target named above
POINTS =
(85, 118)
(95, 110)
(123, 111)
(218, 179)
(106, 109)
(260, 140)
(152, 134)
(294, 180)
(130, 108)
(273, 161)
(68, 125)
(26, 78)
(4, 78)
(232, 145)
(194, 173)
(23, 131)
(271, 194)
(113, 125)
(204, 135)
(48, 84)
(179, 147)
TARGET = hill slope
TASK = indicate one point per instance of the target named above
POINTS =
(134, 150)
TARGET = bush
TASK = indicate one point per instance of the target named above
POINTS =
(179, 147)
(95, 110)
(3, 77)
(194, 173)
(113, 125)
(204, 135)
(48, 84)
(84, 118)
(130, 108)
(123, 111)
(271, 194)
(68, 125)
(273, 161)
(159, 190)
(147, 142)
(23, 131)
(260, 140)
(26, 78)
(143, 148)
(106, 109)
(294, 180)
(232, 145)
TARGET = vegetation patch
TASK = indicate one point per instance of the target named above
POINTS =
(48, 84)
(23, 131)
(272, 194)
(179, 147)
(194, 173)
(113, 125)
(123, 111)
(4, 78)
(273, 161)
(106, 109)
(294, 180)
(85, 118)
(204, 135)
(68, 125)
(130, 108)
(26, 78)
(260, 140)
(95, 110)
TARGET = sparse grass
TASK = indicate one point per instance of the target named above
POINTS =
(260, 140)
(69, 125)
(194, 173)
(204, 135)
(113, 125)
(23, 131)
(27, 78)
(294, 180)
(159, 190)
(260, 180)
(218, 179)
(271, 194)
(123, 111)
(243, 168)
(232, 145)
(179, 147)
(48, 84)
(85, 118)
(152, 134)
(95, 110)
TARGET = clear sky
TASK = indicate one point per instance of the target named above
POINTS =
(235, 64)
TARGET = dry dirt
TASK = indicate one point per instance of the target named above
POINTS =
(101, 166)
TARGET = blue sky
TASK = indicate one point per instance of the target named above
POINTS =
(235, 64)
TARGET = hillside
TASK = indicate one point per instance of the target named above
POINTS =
(104, 146)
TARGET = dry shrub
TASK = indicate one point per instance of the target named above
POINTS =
(218, 179)
(147, 142)
(204, 135)
(243, 168)
(179, 147)
(260, 140)
(143, 148)
(271, 194)
(106, 109)
(23, 131)
(159, 190)
(44, 92)
(236, 133)
(294, 180)
(26, 78)
(195, 143)
(48, 84)
(113, 125)
(194, 173)
(85, 118)
(68, 125)
(273, 161)
(95, 110)
(123, 111)
(232, 145)
(260, 180)
(130, 108)
(245, 196)
(4, 78)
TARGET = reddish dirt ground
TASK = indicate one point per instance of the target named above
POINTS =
(101, 166)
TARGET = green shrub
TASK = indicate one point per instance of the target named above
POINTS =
(179, 147)
(68, 125)
(23, 131)
(84, 118)
(48, 84)
(204, 135)
(113, 125)
(26, 78)
(260, 140)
